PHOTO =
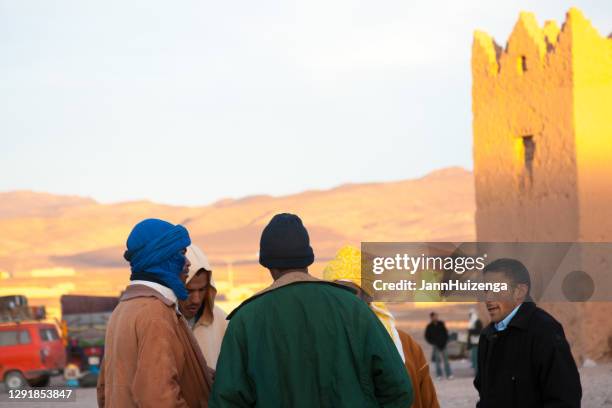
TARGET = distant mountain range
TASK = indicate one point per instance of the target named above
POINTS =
(52, 245)
(45, 230)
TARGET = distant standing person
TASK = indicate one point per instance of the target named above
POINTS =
(206, 320)
(524, 359)
(474, 329)
(151, 358)
(304, 342)
(437, 335)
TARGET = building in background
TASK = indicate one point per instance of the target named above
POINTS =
(542, 123)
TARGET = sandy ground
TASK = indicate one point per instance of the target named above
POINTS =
(460, 393)
(455, 393)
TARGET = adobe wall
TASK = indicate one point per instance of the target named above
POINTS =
(592, 68)
(513, 202)
(554, 85)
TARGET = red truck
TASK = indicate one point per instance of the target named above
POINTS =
(30, 352)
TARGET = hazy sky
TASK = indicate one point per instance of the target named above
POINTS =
(188, 102)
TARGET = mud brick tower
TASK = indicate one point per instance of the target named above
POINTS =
(542, 123)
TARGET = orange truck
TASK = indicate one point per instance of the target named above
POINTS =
(30, 353)
(31, 349)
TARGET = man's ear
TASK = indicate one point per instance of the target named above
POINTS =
(520, 293)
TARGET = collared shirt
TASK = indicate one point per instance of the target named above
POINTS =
(164, 291)
(501, 326)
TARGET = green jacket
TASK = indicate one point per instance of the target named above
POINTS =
(308, 343)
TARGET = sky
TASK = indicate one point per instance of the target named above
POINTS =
(190, 102)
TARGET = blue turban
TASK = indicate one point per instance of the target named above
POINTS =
(154, 251)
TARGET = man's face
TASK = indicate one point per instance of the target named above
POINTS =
(434, 317)
(500, 304)
(196, 289)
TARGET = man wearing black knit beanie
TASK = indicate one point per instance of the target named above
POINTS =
(304, 342)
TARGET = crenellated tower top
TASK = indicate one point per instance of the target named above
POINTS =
(531, 46)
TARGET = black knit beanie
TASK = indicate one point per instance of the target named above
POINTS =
(285, 244)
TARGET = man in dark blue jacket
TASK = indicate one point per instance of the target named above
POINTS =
(524, 359)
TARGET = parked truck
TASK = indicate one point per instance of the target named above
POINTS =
(85, 319)
(31, 349)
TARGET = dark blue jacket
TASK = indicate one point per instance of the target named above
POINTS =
(527, 365)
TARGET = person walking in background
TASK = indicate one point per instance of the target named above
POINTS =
(345, 269)
(437, 335)
(207, 321)
(304, 342)
(524, 359)
(474, 329)
(151, 358)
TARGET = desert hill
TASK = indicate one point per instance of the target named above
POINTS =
(29, 204)
(55, 244)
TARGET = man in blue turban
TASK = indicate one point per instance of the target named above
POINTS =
(151, 357)
(156, 253)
